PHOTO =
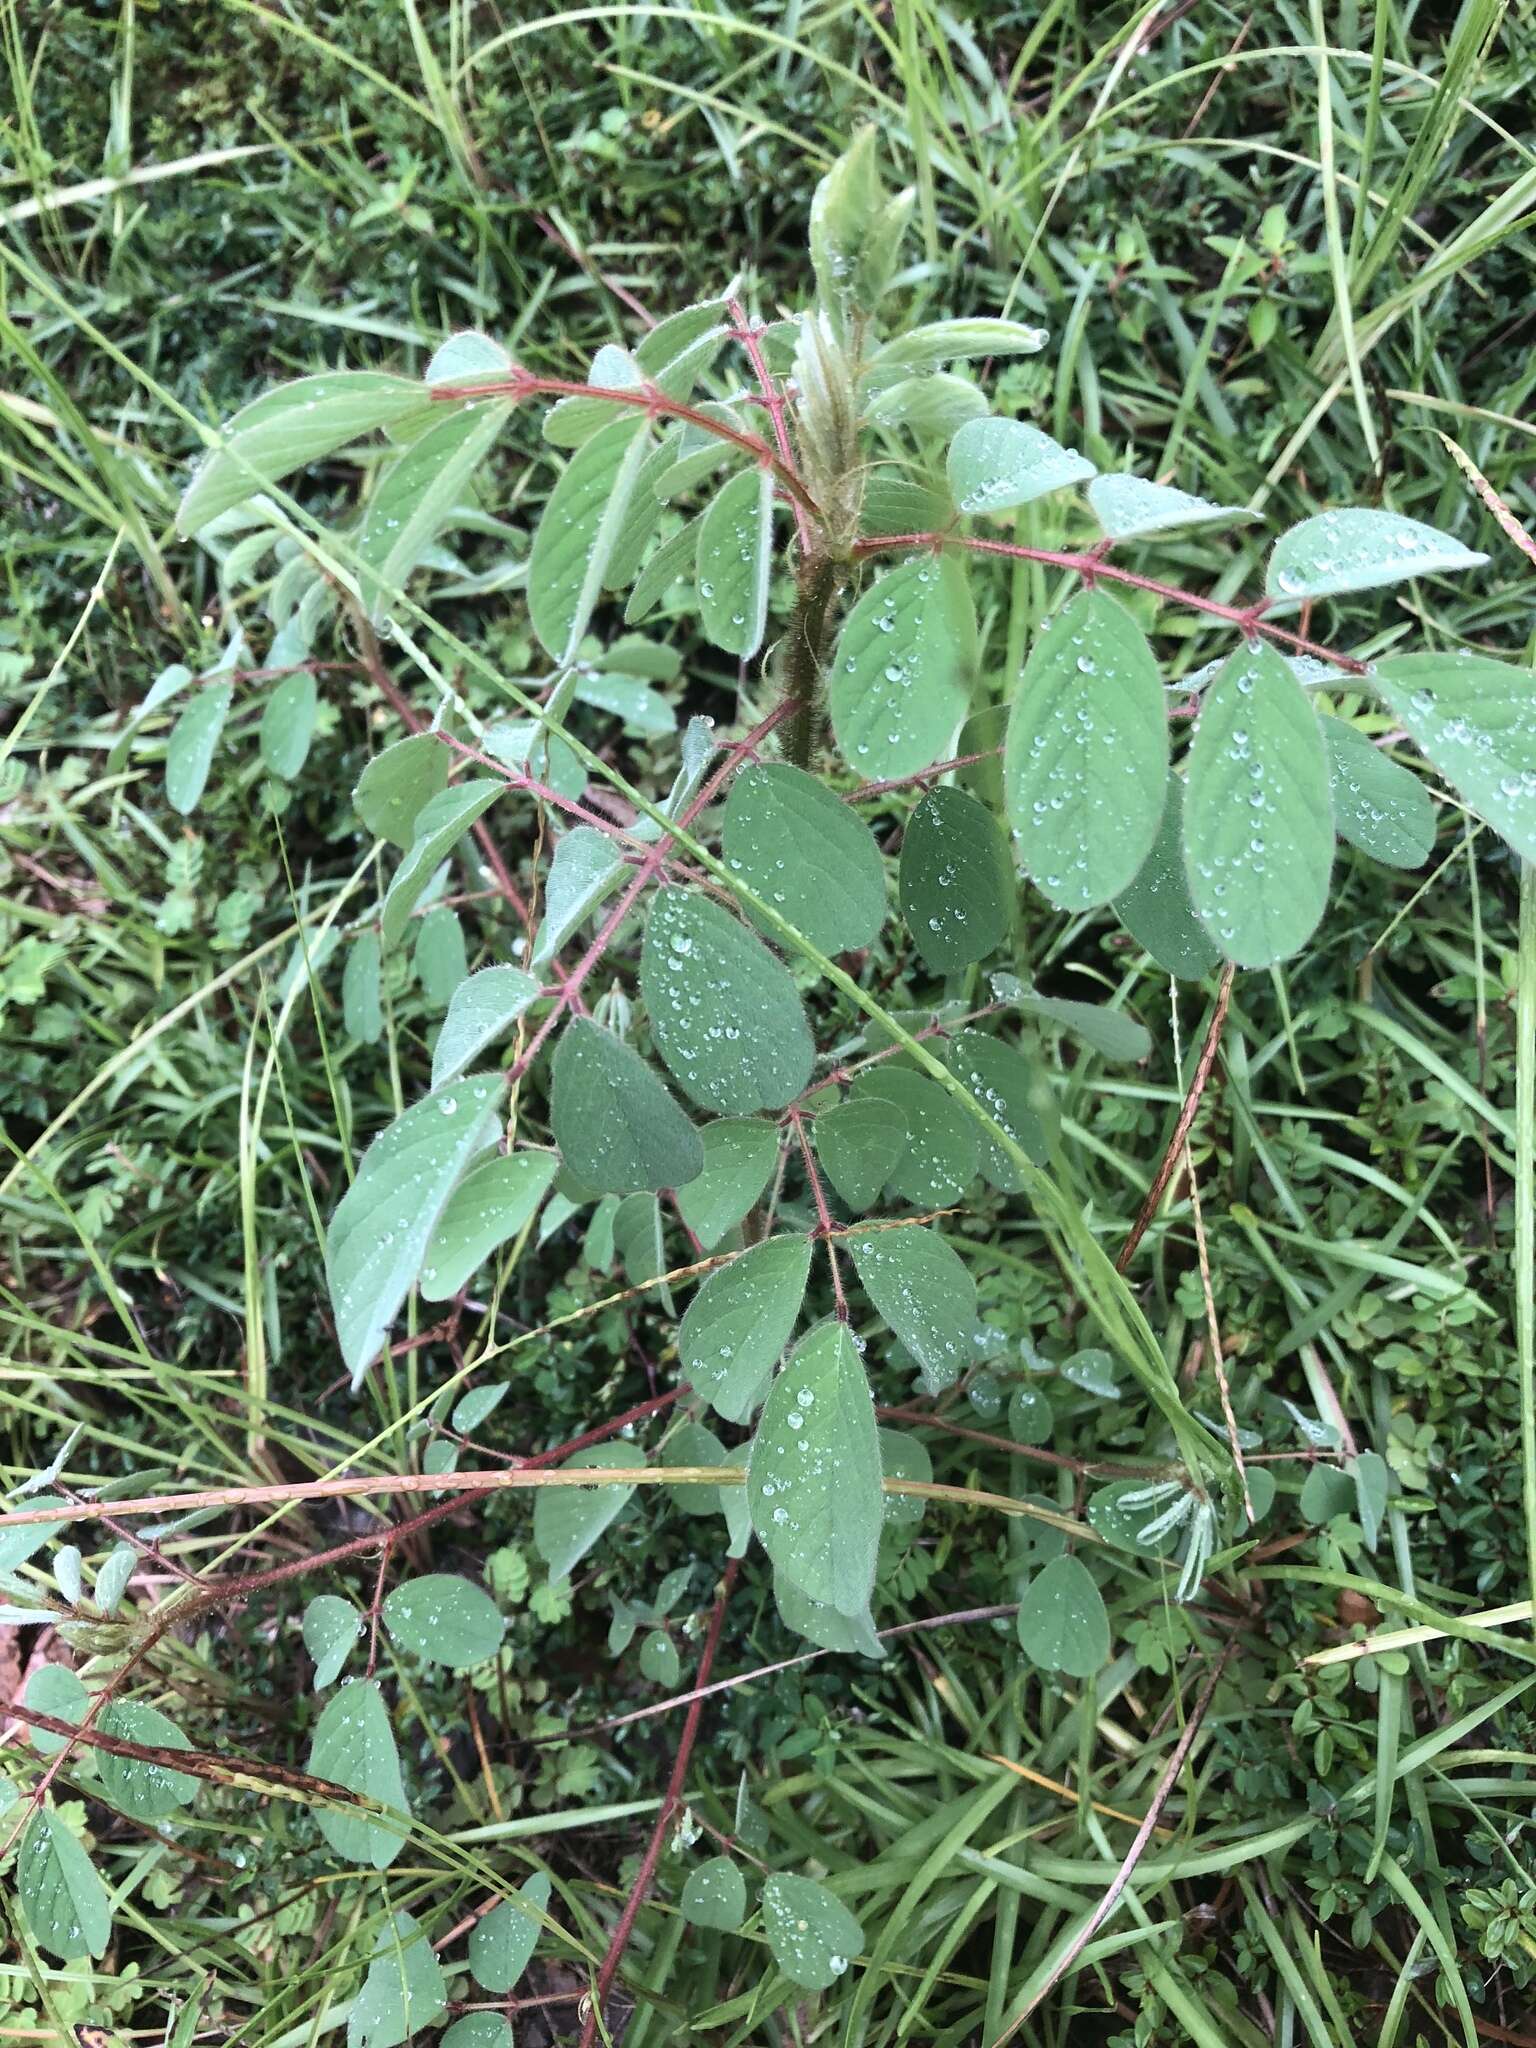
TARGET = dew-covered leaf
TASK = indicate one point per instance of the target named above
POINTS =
(18, 1544)
(996, 465)
(444, 1619)
(1258, 816)
(899, 677)
(490, 1204)
(1378, 806)
(1062, 1624)
(725, 1015)
(1359, 548)
(940, 1159)
(331, 1626)
(384, 1223)
(1475, 720)
(404, 1990)
(813, 1476)
(284, 429)
(859, 1143)
(807, 853)
(920, 1286)
(288, 724)
(147, 1791)
(1085, 767)
(904, 1456)
(467, 357)
(580, 527)
(616, 1124)
(739, 1155)
(354, 1746)
(481, 1011)
(1157, 909)
(1129, 507)
(735, 561)
(846, 1634)
(740, 1320)
(62, 1900)
(501, 1945)
(715, 1895)
(812, 1934)
(440, 825)
(398, 784)
(190, 748)
(567, 1520)
(950, 341)
(1015, 1093)
(957, 885)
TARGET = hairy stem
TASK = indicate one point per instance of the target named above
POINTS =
(805, 648)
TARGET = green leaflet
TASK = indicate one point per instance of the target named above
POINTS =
(725, 1015)
(1015, 1092)
(1359, 548)
(445, 1620)
(739, 1322)
(190, 748)
(1061, 1622)
(467, 357)
(996, 465)
(659, 1660)
(384, 1223)
(580, 528)
(567, 1520)
(899, 678)
(63, 1901)
(362, 1012)
(715, 1895)
(417, 495)
(813, 1475)
(284, 429)
(404, 1990)
(55, 1690)
(951, 341)
(903, 1456)
(936, 405)
(957, 885)
(331, 1626)
(739, 1155)
(940, 1159)
(1085, 766)
(812, 1934)
(735, 562)
(922, 1289)
(585, 867)
(440, 824)
(617, 1126)
(440, 958)
(811, 856)
(1258, 817)
(288, 724)
(144, 1790)
(676, 553)
(354, 1746)
(501, 1945)
(847, 1634)
(1109, 1031)
(481, 1011)
(858, 1143)
(692, 1444)
(1157, 910)
(396, 785)
(1383, 809)
(1129, 508)
(490, 1204)
(1475, 719)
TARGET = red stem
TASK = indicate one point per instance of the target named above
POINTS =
(826, 1228)
(1247, 618)
(669, 1805)
(773, 405)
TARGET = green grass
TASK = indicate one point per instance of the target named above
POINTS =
(181, 1100)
